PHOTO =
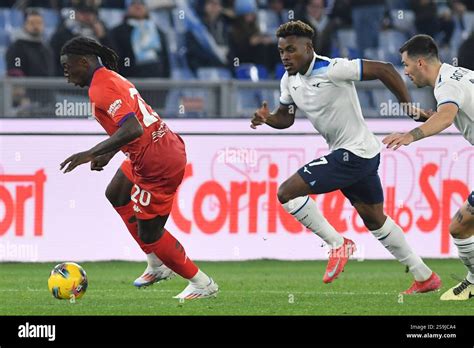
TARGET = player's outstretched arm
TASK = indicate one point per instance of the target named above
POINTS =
(282, 118)
(438, 122)
(129, 131)
(388, 75)
(99, 162)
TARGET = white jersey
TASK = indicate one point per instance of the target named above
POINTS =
(456, 85)
(327, 95)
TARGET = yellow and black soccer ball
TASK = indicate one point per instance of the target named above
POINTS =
(68, 280)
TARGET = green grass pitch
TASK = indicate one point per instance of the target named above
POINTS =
(263, 287)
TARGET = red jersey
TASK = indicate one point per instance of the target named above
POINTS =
(157, 159)
(114, 100)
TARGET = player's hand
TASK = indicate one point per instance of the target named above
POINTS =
(75, 160)
(260, 116)
(99, 162)
(420, 114)
(395, 140)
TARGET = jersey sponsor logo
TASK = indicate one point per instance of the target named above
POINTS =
(156, 135)
(113, 108)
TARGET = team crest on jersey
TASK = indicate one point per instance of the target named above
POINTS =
(114, 107)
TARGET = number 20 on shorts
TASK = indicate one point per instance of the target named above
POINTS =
(140, 196)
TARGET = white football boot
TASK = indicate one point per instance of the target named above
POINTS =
(194, 291)
(153, 275)
(461, 292)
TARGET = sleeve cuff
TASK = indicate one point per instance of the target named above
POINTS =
(448, 101)
(126, 117)
(286, 104)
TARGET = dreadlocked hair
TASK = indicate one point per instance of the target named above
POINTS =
(83, 46)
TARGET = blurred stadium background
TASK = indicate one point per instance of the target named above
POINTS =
(211, 58)
(206, 65)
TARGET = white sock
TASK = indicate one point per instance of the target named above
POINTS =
(153, 260)
(392, 238)
(201, 279)
(466, 254)
(304, 210)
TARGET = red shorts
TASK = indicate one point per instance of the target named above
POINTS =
(157, 179)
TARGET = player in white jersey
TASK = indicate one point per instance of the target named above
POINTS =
(454, 93)
(323, 88)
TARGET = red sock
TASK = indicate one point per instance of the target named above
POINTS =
(127, 215)
(173, 255)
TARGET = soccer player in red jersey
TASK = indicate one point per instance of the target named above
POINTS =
(143, 189)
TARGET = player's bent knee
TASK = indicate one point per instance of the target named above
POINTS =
(455, 229)
(116, 197)
(112, 196)
(283, 194)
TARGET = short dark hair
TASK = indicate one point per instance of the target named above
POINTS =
(421, 45)
(297, 28)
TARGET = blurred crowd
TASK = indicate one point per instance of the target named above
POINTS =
(224, 34)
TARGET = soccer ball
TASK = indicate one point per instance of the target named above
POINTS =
(68, 280)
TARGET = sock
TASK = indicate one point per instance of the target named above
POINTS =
(304, 210)
(466, 254)
(173, 255)
(393, 239)
(153, 260)
(201, 279)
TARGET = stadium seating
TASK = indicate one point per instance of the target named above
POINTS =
(403, 20)
(469, 21)
(213, 74)
(3, 67)
(51, 21)
(185, 102)
(268, 21)
(279, 71)
(111, 17)
(162, 19)
(390, 42)
(253, 72)
(347, 43)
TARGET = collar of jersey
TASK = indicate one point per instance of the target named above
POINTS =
(323, 63)
(95, 70)
(438, 78)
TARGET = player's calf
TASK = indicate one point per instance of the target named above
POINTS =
(372, 215)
